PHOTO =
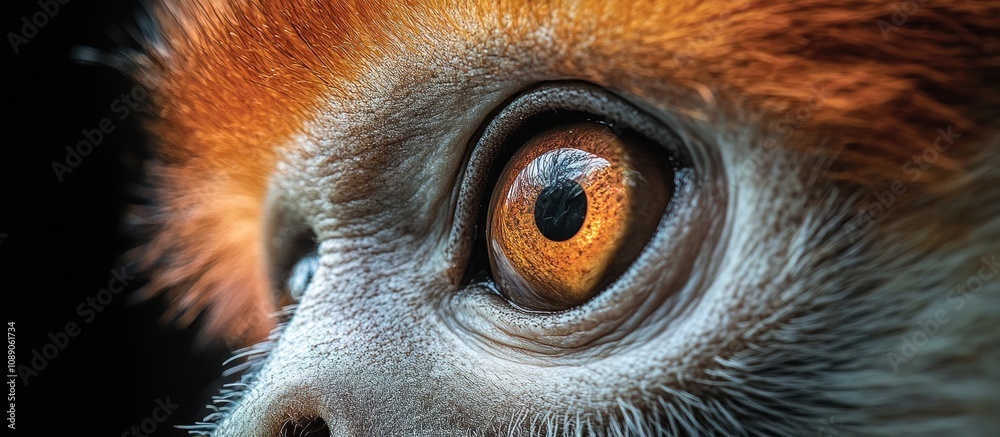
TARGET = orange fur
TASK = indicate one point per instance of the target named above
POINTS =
(234, 82)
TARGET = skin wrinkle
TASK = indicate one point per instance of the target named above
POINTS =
(356, 117)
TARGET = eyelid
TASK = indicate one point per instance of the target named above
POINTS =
(655, 295)
(637, 305)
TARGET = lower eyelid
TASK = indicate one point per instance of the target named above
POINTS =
(647, 299)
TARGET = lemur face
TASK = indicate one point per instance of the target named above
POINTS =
(584, 218)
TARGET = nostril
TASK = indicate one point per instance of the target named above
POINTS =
(314, 427)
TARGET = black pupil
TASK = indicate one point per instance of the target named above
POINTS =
(560, 210)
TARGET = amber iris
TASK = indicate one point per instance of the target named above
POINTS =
(572, 209)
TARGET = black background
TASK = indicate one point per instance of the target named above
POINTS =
(64, 238)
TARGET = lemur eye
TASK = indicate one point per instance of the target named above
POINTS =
(571, 211)
(294, 258)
